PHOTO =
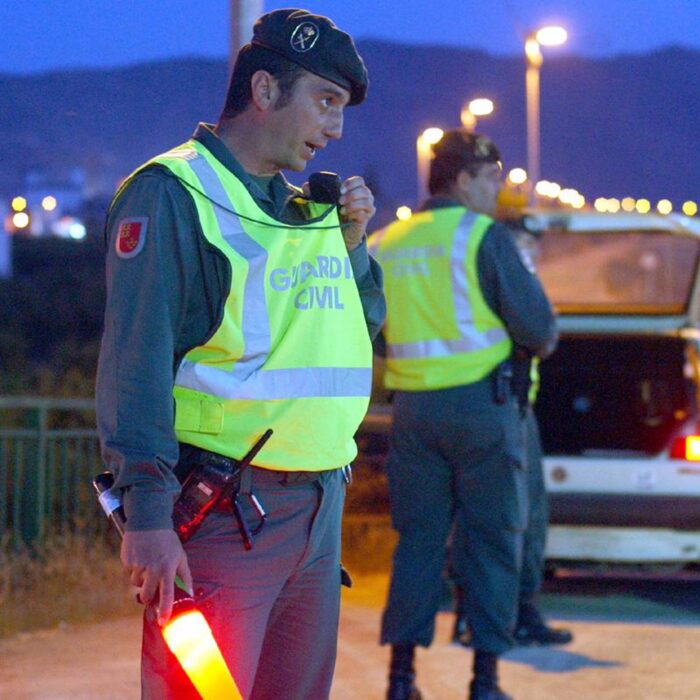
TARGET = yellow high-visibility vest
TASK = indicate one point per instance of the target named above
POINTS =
(292, 351)
(439, 330)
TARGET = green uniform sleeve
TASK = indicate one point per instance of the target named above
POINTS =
(148, 296)
(514, 293)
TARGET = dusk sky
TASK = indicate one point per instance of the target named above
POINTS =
(45, 35)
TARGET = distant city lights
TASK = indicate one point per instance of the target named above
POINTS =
(20, 219)
(19, 204)
(664, 206)
(49, 203)
(545, 188)
(690, 208)
(643, 206)
(517, 176)
(69, 227)
(572, 198)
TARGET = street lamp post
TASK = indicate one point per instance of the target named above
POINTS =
(242, 16)
(423, 155)
(547, 36)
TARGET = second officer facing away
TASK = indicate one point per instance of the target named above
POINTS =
(459, 299)
(237, 305)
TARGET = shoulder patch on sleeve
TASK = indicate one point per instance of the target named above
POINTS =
(131, 236)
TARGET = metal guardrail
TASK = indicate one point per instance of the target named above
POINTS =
(48, 456)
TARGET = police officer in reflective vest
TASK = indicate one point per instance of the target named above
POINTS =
(459, 298)
(236, 304)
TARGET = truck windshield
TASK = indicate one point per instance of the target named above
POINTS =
(618, 272)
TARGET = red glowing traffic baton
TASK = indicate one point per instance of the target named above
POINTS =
(187, 633)
(189, 638)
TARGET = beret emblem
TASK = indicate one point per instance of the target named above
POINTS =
(304, 37)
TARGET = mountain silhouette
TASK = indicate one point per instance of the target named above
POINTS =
(614, 127)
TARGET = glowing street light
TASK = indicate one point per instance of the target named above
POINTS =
(472, 110)
(403, 213)
(425, 140)
(546, 36)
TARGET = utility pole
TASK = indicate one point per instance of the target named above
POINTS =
(243, 14)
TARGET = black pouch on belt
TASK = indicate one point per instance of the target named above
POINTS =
(502, 380)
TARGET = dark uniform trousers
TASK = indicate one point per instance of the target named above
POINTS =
(274, 609)
(535, 535)
(535, 538)
(456, 451)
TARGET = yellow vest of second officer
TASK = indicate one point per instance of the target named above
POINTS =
(439, 330)
(292, 351)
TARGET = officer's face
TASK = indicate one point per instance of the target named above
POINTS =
(311, 117)
(482, 189)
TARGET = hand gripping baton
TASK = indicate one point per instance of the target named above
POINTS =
(187, 633)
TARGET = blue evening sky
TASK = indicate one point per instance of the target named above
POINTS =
(43, 35)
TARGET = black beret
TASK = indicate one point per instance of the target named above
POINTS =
(466, 148)
(315, 43)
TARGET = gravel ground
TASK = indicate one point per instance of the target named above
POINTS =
(608, 660)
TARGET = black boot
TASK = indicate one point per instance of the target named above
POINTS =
(532, 630)
(485, 691)
(401, 674)
(484, 685)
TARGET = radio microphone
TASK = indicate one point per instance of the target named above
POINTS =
(324, 188)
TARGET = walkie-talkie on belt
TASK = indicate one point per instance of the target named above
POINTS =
(211, 481)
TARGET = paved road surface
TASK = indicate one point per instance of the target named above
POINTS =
(634, 640)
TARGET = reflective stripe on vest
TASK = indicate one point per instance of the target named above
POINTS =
(431, 255)
(291, 355)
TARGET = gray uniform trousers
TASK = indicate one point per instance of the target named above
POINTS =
(535, 535)
(455, 450)
(274, 609)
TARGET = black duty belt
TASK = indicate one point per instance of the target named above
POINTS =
(260, 478)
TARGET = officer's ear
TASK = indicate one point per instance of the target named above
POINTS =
(264, 90)
(464, 180)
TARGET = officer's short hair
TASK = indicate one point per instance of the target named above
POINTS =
(250, 60)
(459, 150)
